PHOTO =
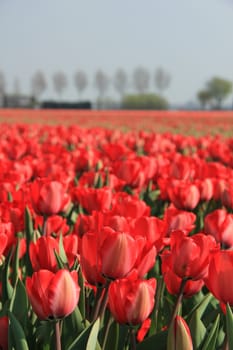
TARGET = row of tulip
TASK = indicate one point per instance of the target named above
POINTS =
(112, 240)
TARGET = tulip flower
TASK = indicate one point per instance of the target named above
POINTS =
(190, 255)
(219, 224)
(131, 171)
(131, 300)
(93, 198)
(49, 197)
(176, 219)
(179, 336)
(118, 253)
(42, 254)
(183, 195)
(3, 244)
(53, 295)
(219, 279)
(126, 205)
(90, 259)
(173, 282)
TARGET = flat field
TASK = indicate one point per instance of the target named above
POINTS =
(186, 122)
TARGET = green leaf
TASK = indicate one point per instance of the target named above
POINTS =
(43, 334)
(62, 252)
(92, 340)
(82, 294)
(98, 181)
(210, 342)
(15, 273)
(82, 340)
(201, 307)
(229, 321)
(17, 339)
(157, 341)
(19, 302)
(28, 225)
(7, 289)
(113, 334)
(197, 329)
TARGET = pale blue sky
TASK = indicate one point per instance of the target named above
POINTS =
(192, 39)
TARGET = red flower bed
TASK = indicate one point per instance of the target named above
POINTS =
(112, 238)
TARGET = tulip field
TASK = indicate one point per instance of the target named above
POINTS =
(116, 230)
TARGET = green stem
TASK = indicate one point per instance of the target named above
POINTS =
(44, 225)
(225, 344)
(132, 339)
(98, 300)
(104, 300)
(110, 320)
(178, 301)
(159, 292)
(58, 336)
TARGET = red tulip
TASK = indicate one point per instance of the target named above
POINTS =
(118, 253)
(219, 279)
(129, 206)
(190, 255)
(56, 225)
(53, 294)
(151, 228)
(91, 199)
(131, 301)
(183, 195)
(42, 254)
(48, 197)
(173, 282)
(90, 259)
(176, 219)
(131, 171)
(219, 224)
(3, 244)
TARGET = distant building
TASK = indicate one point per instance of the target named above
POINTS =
(17, 101)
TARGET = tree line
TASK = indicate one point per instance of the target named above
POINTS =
(212, 96)
(140, 82)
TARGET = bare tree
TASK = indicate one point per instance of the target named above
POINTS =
(16, 87)
(59, 82)
(80, 81)
(120, 81)
(101, 82)
(2, 84)
(162, 79)
(141, 79)
(38, 84)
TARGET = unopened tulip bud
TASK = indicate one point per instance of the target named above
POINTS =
(179, 337)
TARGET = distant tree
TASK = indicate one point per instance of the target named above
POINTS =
(204, 98)
(162, 79)
(38, 84)
(80, 81)
(101, 82)
(120, 81)
(145, 102)
(16, 87)
(219, 89)
(141, 80)
(2, 84)
(59, 82)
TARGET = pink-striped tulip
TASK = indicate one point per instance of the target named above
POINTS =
(179, 337)
(131, 300)
(53, 295)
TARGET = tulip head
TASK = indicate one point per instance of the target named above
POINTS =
(53, 295)
(179, 337)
